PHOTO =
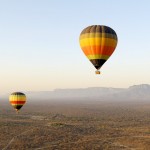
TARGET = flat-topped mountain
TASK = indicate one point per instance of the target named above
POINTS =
(133, 92)
(139, 92)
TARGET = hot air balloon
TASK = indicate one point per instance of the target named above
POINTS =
(17, 100)
(98, 42)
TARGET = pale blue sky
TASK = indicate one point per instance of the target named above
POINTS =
(39, 44)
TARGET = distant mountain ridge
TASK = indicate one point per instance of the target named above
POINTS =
(141, 91)
(137, 92)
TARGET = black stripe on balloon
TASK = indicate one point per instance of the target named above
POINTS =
(18, 107)
(17, 93)
(98, 29)
(97, 62)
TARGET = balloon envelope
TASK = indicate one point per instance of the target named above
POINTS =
(17, 100)
(98, 42)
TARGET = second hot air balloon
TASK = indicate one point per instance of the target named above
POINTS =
(98, 42)
(17, 100)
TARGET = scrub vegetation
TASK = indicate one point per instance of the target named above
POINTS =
(84, 125)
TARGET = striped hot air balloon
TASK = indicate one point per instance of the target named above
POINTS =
(17, 100)
(98, 42)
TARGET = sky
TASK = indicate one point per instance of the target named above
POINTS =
(39, 44)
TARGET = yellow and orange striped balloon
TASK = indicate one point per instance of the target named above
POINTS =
(17, 100)
(98, 43)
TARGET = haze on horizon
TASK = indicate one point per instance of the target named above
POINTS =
(39, 48)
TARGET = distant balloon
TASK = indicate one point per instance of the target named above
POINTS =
(17, 100)
(98, 42)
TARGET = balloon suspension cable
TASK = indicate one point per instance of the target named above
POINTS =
(97, 72)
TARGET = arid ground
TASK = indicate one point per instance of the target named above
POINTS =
(76, 125)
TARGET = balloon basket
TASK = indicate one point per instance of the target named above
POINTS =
(17, 111)
(97, 72)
